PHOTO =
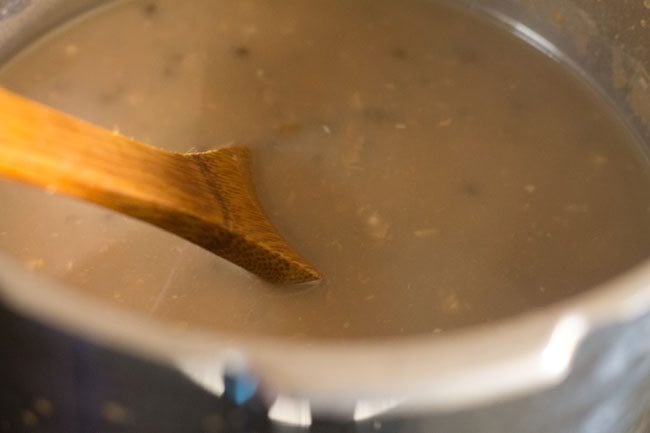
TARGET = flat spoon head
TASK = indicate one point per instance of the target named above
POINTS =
(207, 198)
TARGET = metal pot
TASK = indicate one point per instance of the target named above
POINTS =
(582, 366)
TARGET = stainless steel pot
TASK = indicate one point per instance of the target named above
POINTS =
(582, 366)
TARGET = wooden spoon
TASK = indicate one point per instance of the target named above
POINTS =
(207, 198)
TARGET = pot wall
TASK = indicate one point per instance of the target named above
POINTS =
(91, 388)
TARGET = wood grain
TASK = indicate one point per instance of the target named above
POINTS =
(207, 198)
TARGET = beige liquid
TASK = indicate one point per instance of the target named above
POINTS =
(439, 171)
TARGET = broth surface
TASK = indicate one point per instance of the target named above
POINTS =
(439, 171)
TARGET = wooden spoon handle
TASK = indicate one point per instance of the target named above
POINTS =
(62, 154)
(207, 198)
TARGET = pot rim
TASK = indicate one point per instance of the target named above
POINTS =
(440, 372)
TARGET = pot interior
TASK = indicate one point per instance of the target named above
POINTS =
(442, 164)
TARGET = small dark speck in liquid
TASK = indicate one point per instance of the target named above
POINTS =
(378, 114)
(471, 189)
(242, 52)
(112, 96)
(467, 55)
(150, 9)
(173, 64)
(399, 53)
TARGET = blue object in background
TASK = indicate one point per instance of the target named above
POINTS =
(240, 388)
